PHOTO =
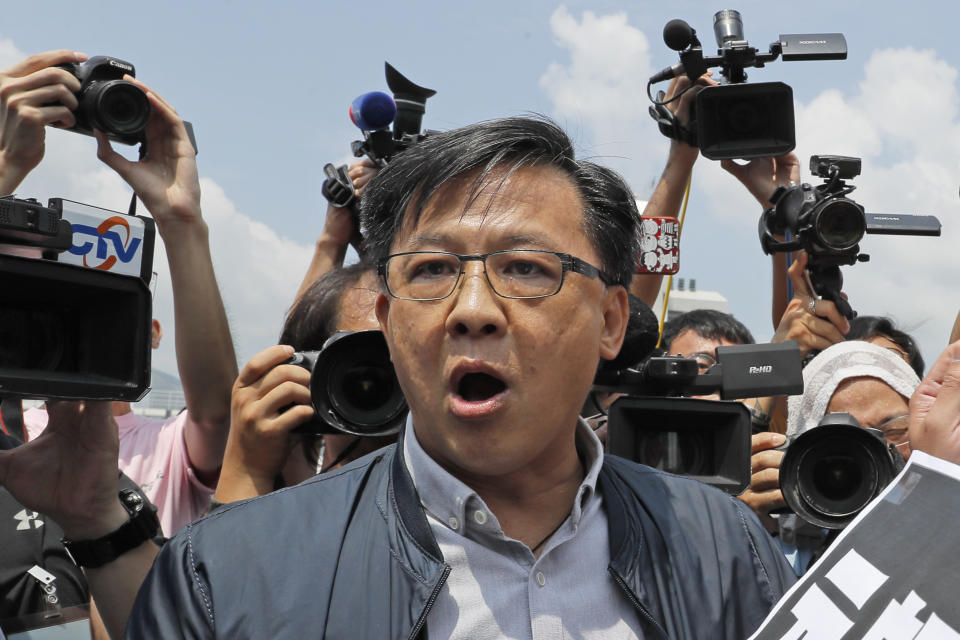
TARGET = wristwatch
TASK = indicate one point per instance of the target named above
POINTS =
(142, 526)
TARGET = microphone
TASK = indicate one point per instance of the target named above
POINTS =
(678, 35)
(643, 332)
(373, 111)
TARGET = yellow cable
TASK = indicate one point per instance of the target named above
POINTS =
(666, 294)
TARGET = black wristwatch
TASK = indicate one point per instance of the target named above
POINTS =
(142, 526)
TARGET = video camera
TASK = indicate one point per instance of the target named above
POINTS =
(706, 439)
(831, 472)
(353, 387)
(76, 318)
(827, 225)
(373, 113)
(734, 119)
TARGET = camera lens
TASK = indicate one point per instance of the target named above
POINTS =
(840, 224)
(31, 339)
(687, 453)
(354, 388)
(744, 119)
(118, 107)
(364, 387)
(838, 477)
(830, 473)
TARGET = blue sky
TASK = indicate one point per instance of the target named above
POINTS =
(267, 86)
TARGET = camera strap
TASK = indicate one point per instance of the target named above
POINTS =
(671, 127)
(11, 418)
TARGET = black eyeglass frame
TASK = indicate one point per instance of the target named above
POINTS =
(567, 262)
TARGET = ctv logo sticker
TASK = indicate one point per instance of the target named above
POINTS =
(113, 233)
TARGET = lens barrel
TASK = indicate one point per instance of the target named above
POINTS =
(839, 223)
(116, 107)
(354, 388)
(831, 472)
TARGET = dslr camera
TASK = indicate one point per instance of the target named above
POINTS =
(108, 102)
(828, 225)
(708, 440)
(353, 387)
(831, 472)
(735, 119)
(75, 322)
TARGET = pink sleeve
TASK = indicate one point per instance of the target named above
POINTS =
(154, 454)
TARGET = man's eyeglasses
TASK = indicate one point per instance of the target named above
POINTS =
(518, 273)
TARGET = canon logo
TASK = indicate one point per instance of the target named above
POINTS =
(813, 42)
(767, 368)
(125, 67)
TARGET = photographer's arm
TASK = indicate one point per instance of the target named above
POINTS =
(166, 182)
(33, 94)
(69, 473)
(339, 227)
(761, 177)
(667, 197)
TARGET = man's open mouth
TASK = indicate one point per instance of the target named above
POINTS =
(479, 386)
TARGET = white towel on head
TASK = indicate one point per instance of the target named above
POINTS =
(842, 361)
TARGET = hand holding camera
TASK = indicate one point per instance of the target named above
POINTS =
(269, 400)
(165, 178)
(34, 93)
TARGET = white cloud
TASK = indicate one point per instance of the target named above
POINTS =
(602, 87)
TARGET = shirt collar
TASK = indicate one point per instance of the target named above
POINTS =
(447, 498)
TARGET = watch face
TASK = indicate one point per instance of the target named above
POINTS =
(132, 501)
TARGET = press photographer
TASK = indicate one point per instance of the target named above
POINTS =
(178, 460)
(373, 113)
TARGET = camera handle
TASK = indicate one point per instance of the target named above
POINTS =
(827, 282)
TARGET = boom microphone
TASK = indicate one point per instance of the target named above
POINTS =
(373, 111)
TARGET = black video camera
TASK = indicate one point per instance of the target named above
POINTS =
(831, 472)
(826, 224)
(708, 440)
(75, 322)
(108, 102)
(353, 387)
(735, 119)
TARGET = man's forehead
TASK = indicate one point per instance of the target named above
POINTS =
(501, 202)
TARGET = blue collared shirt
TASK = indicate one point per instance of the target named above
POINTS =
(497, 588)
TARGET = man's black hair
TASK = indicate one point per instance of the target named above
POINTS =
(711, 324)
(490, 152)
(314, 317)
(866, 327)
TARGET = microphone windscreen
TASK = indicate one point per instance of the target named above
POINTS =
(643, 332)
(373, 111)
(677, 34)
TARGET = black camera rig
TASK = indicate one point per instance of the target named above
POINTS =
(708, 440)
(828, 225)
(735, 119)
(75, 322)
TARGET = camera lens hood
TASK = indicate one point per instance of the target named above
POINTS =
(354, 388)
(831, 472)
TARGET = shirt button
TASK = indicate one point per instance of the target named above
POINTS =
(454, 523)
(541, 579)
(480, 516)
